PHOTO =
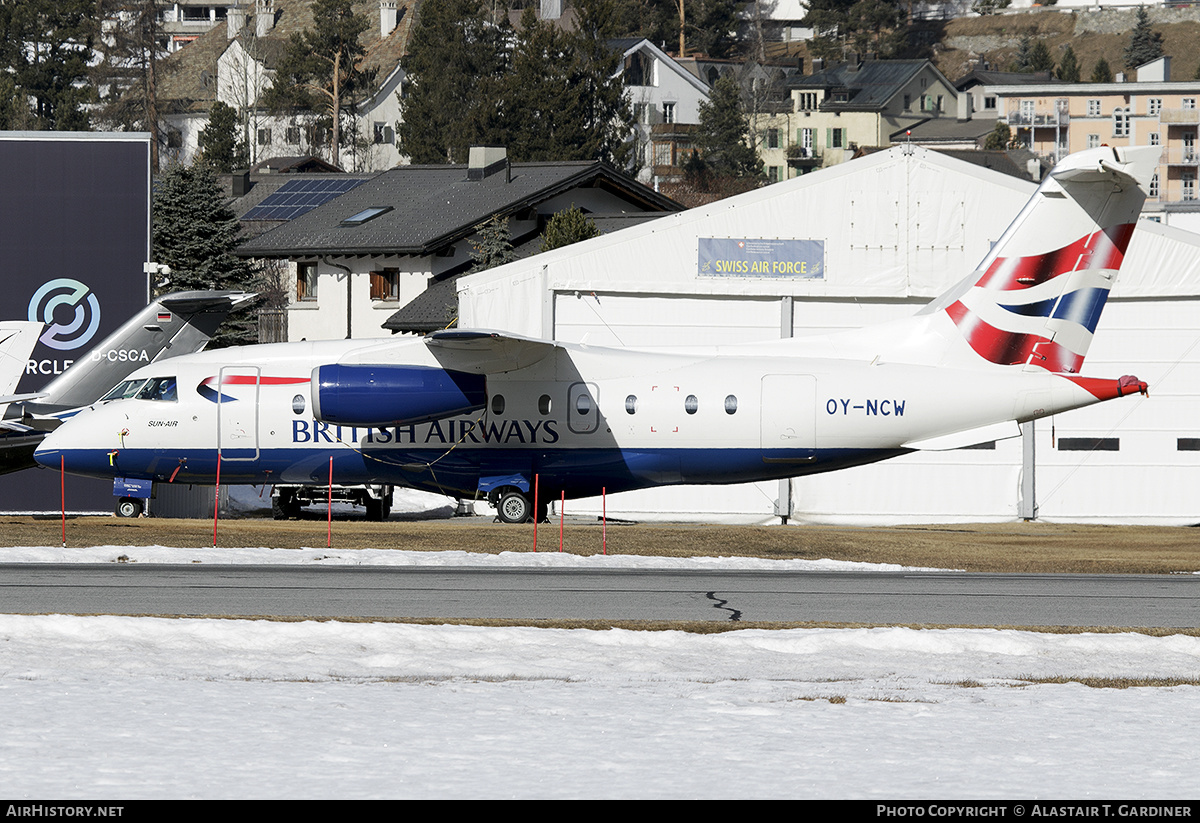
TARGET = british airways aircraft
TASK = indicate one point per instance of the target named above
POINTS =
(481, 414)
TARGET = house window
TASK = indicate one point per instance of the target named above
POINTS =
(306, 281)
(1093, 141)
(1093, 108)
(908, 102)
(385, 284)
(384, 134)
(1189, 102)
(835, 138)
(1189, 185)
(264, 137)
(668, 112)
(1120, 122)
(174, 139)
(808, 141)
(1154, 186)
(989, 103)
(1154, 138)
(1154, 105)
(638, 70)
(806, 101)
(772, 138)
(773, 174)
(292, 135)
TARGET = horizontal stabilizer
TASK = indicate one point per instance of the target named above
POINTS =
(486, 352)
(970, 437)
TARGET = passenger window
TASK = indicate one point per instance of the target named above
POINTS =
(690, 404)
(631, 404)
(544, 404)
(583, 404)
(730, 404)
(497, 404)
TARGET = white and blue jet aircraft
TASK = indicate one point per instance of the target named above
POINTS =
(480, 413)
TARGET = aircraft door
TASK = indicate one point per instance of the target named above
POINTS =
(788, 415)
(237, 412)
(583, 408)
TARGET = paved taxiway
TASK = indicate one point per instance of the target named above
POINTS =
(938, 598)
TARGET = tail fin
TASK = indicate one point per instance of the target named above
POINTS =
(172, 325)
(1035, 299)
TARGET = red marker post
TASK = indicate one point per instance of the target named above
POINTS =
(217, 500)
(62, 491)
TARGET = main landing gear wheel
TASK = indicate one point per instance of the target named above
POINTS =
(129, 507)
(514, 507)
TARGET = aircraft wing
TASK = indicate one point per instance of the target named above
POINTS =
(17, 339)
(479, 351)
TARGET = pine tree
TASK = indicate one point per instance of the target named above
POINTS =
(455, 65)
(1145, 44)
(492, 245)
(566, 227)
(1022, 61)
(195, 233)
(45, 47)
(322, 68)
(221, 146)
(1040, 58)
(999, 138)
(723, 134)
(1102, 73)
(1068, 67)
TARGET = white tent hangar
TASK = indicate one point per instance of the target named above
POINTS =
(885, 234)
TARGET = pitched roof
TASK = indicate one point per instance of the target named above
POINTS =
(984, 77)
(431, 207)
(871, 83)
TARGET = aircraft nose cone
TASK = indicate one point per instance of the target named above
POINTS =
(48, 453)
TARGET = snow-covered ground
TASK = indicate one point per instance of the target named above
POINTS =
(125, 708)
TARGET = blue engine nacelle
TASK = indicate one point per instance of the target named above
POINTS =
(373, 396)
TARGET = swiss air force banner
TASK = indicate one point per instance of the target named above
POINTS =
(748, 257)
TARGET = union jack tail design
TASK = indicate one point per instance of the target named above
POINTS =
(1036, 302)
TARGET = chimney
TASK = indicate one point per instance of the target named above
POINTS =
(388, 17)
(551, 9)
(264, 17)
(240, 182)
(818, 65)
(486, 161)
(235, 21)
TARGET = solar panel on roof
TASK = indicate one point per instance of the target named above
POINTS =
(295, 197)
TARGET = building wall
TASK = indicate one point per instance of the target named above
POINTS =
(1064, 119)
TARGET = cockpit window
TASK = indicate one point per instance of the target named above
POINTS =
(123, 390)
(159, 388)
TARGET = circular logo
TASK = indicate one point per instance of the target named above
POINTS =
(70, 311)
